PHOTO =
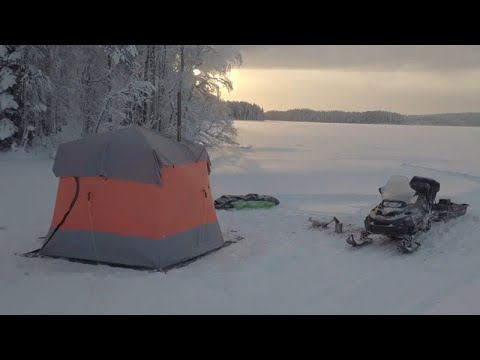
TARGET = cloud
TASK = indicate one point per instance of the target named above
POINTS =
(437, 58)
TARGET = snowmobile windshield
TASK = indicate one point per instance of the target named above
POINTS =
(397, 189)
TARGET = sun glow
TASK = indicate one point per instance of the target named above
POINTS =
(407, 92)
(236, 80)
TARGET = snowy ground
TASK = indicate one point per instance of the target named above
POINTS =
(282, 266)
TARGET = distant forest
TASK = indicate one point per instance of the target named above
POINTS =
(249, 111)
(374, 117)
(242, 110)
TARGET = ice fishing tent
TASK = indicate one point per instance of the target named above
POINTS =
(132, 197)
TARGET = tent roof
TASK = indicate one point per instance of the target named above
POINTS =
(132, 153)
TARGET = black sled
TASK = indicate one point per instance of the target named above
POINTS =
(446, 210)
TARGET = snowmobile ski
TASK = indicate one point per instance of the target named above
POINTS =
(407, 245)
(364, 240)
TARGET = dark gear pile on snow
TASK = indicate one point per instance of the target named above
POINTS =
(249, 201)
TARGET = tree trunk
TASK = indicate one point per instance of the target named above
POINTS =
(152, 78)
(110, 83)
(146, 76)
(179, 95)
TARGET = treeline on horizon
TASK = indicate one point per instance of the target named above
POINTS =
(249, 111)
(242, 110)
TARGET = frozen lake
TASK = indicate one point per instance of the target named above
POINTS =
(282, 266)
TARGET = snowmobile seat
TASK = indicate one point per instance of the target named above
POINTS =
(421, 188)
(425, 186)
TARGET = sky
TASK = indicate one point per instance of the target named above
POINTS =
(408, 79)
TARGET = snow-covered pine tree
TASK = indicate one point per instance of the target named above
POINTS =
(11, 73)
(24, 88)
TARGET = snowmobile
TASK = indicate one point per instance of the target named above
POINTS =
(407, 208)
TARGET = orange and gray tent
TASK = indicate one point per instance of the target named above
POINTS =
(132, 197)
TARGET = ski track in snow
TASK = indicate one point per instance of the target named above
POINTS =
(282, 266)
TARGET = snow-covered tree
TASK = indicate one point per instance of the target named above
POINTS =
(206, 73)
(23, 91)
(36, 89)
(126, 90)
(199, 72)
(11, 72)
(59, 92)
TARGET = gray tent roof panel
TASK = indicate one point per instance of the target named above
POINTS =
(171, 152)
(132, 153)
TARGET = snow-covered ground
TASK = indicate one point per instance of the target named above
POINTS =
(282, 266)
